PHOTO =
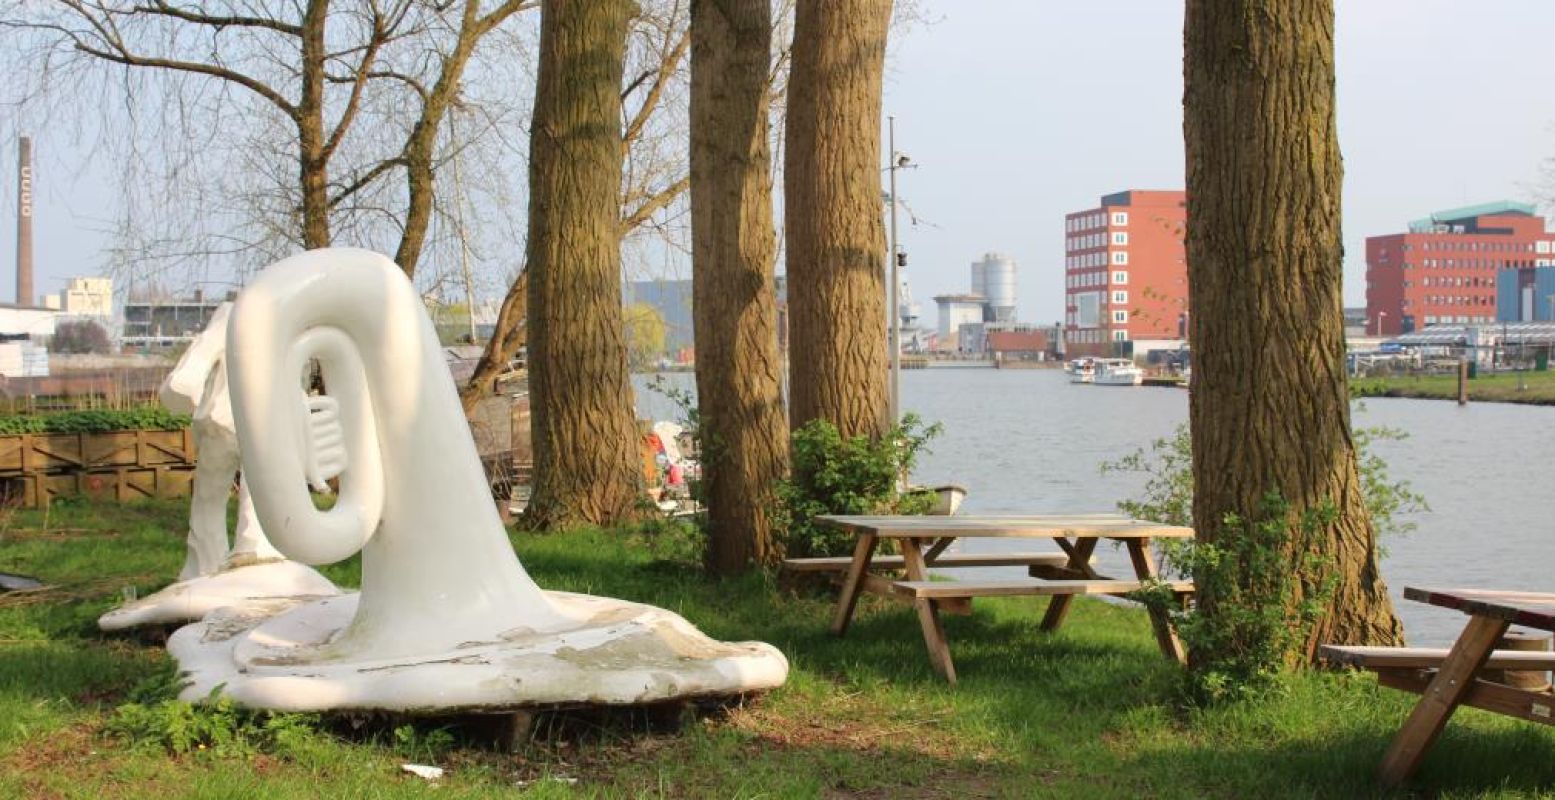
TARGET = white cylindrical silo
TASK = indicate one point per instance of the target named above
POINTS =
(996, 275)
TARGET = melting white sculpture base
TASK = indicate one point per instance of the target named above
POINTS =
(190, 600)
(277, 656)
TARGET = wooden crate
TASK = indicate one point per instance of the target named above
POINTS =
(124, 483)
(33, 453)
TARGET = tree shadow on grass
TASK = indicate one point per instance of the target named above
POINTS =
(1343, 763)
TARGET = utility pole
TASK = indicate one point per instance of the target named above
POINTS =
(893, 314)
(464, 240)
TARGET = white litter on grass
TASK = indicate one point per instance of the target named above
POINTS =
(553, 778)
(423, 771)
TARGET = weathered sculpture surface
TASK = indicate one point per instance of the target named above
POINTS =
(214, 574)
(447, 618)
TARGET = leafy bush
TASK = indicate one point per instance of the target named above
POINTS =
(1257, 622)
(217, 726)
(1263, 610)
(834, 475)
(145, 418)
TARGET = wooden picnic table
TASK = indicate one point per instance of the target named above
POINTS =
(924, 539)
(1455, 683)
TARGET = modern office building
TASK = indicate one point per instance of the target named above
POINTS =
(1448, 269)
(1525, 294)
(1125, 272)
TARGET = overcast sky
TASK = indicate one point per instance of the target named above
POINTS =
(1021, 111)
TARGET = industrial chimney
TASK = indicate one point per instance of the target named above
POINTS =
(24, 224)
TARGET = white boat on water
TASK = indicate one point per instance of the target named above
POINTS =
(1081, 370)
(1117, 372)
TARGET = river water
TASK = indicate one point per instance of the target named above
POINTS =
(1024, 441)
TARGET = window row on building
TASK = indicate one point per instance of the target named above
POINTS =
(1452, 300)
(1078, 280)
(1540, 246)
(1114, 257)
(1477, 263)
(1096, 219)
(1458, 320)
(1095, 336)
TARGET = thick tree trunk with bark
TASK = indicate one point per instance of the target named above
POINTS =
(1270, 408)
(739, 392)
(582, 423)
(313, 159)
(832, 216)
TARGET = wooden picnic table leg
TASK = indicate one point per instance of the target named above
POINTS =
(940, 546)
(853, 584)
(1140, 552)
(928, 612)
(1453, 680)
(1079, 559)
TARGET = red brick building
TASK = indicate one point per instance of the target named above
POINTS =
(1025, 345)
(1125, 272)
(1443, 271)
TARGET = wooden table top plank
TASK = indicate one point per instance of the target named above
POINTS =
(1036, 588)
(1430, 657)
(1529, 609)
(1108, 526)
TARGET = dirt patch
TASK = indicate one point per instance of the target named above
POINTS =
(71, 751)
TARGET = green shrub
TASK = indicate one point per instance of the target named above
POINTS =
(859, 475)
(1263, 608)
(1257, 621)
(217, 726)
(145, 418)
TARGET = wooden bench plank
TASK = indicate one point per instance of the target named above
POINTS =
(939, 589)
(841, 563)
(1430, 658)
(875, 584)
(1525, 705)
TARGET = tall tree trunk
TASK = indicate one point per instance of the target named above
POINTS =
(1270, 408)
(313, 159)
(582, 423)
(832, 216)
(739, 395)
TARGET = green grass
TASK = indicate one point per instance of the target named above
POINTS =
(1089, 712)
(1537, 388)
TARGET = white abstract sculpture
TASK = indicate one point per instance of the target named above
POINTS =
(215, 575)
(447, 619)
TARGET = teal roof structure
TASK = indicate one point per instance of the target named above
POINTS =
(1470, 212)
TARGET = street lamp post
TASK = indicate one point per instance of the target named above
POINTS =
(893, 311)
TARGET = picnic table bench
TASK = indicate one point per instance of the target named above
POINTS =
(923, 541)
(1446, 679)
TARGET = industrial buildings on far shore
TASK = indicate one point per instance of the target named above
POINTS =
(982, 322)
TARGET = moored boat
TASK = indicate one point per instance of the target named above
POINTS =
(1117, 372)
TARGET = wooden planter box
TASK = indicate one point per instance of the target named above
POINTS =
(117, 465)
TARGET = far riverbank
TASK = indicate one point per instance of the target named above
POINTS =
(1528, 388)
